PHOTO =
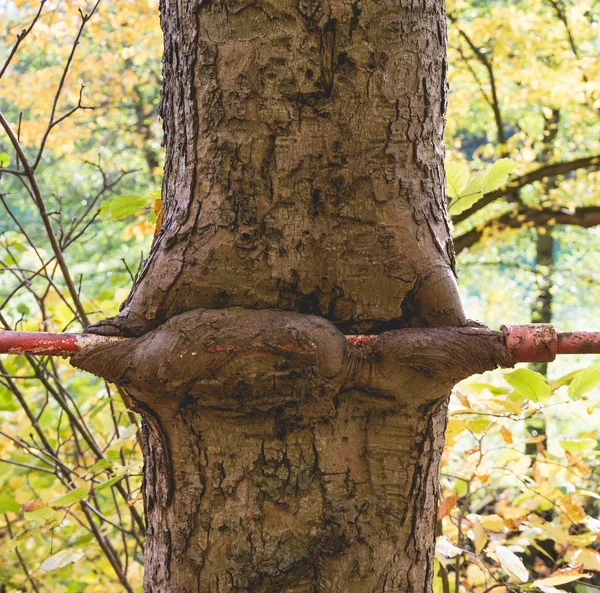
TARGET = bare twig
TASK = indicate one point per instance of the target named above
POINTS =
(20, 37)
(46, 220)
(52, 122)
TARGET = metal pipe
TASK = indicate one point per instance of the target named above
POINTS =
(578, 343)
(45, 343)
(534, 342)
(540, 342)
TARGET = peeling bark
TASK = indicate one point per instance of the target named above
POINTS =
(304, 200)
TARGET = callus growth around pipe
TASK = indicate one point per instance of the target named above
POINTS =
(535, 342)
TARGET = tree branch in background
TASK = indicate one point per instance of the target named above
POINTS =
(20, 37)
(585, 216)
(494, 103)
(552, 170)
(561, 14)
(39, 202)
(52, 123)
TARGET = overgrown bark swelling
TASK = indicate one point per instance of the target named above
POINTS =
(304, 175)
(281, 458)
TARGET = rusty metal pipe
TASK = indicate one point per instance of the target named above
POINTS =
(578, 343)
(540, 342)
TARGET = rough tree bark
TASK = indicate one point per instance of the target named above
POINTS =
(304, 200)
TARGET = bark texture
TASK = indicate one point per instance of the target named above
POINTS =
(304, 200)
(304, 165)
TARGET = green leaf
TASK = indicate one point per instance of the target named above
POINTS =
(457, 178)
(584, 381)
(564, 380)
(493, 389)
(18, 246)
(4, 159)
(153, 194)
(61, 559)
(7, 402)
(123, 206)
(479, 425)
(70, 498)
(99, 466)
(497, 176)
(471, 194)
(8, 504)
(23, 309)
(579, 445)
(460, 487)
(111, 482)
(530, 384)
(481, 184)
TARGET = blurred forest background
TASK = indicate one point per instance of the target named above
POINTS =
(80, 177)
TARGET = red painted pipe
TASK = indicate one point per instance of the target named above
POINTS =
(536, 342)
(47, 343)
(540, 342)
(578, 343)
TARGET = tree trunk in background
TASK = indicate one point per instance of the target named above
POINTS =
(541, 311)
(304, 200)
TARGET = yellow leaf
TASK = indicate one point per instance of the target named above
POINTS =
(506, 434)
(551, 581)
(492, 522)
(536, 473)
(573, 509)
(588, 558)
(447, 505)
(455, 427)
(463, 399)
(475, 576)
(480, 536)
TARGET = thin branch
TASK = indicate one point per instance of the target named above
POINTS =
(27, 466)
(20, 37)
(584, 216)
(46, 220)
(51, 123)
(495, 101)
(21, 559)
(561, 14)
(538, 174)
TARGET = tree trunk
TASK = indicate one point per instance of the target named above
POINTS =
(304, 200)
